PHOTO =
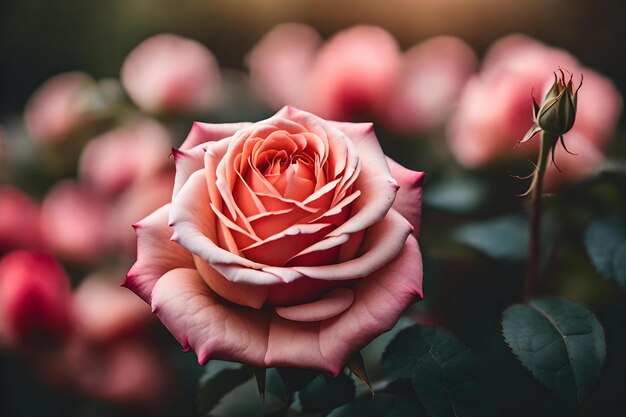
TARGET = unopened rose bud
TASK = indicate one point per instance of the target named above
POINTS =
(34, 301)
(558, 109)
(557, 112)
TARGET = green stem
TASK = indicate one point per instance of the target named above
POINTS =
(534, 245)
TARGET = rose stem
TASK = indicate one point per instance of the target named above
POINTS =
(534, 241)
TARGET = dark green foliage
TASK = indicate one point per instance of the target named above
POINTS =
(560, 342)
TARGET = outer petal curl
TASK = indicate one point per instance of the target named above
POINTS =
(156, 254)
(209, 132)
(378, 303)
(409, 197)
(202, 321)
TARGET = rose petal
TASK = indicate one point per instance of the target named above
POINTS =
(200, 320)
(408, 201)
(208, 132)
(278, 249)
(156, 254)
(195, 228)
(381, 244)
(333, 304)
(375, 182)
(247, 295)
(378, 303)
(187, 162)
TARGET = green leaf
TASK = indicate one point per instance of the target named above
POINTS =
(605, 241)
(295, 379)
(245, 401)
(219, 379)
(501, 238)
(406, 348)
(560, 342)
(275, 385)
(325, 393)
(444, 373)
(457, 195)
(381, 405)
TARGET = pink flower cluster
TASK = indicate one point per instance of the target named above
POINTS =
(361, 73)
(88, 340)
(123, 175)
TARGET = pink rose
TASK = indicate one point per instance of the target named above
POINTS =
(433, 75)
(104, 311)
(281, 62)
(73, 219)
(34, 301)
(19, 221)
(354, 73)
(117, 159)
(361, 73)
(288, 242)
(59, 106)
(171, 73)
(351, 76)
(495, 109)
(128, 372)
(135, 203)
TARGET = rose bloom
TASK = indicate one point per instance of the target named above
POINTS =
(354, 72)
(281, 62)
(433, 75)
(495, 109)
(106, 312)
(361, 72)
(351, 76)
(135, 203)
(115, 160)
(73, 219)
(129, 372)
(130, 168)
(34, 301)
(59, 106)
(109, 356)
(171, 73)
(288, 242)
(19, 221)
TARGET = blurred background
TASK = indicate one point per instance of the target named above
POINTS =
(89, 113)
(40, 39)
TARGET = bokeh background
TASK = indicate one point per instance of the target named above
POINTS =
(473, 233)
(40, 39)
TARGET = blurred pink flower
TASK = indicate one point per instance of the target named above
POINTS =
(433, 76)
(136, 203)
(113, 161)
(360, 73)
(58, 107)
(34, 301)
(495, 109)
(105, 311)
(74, 221)
(171, 73)
(127, 372)
(19, 221)
(281, 62)
(582, 162)
(354, 73)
